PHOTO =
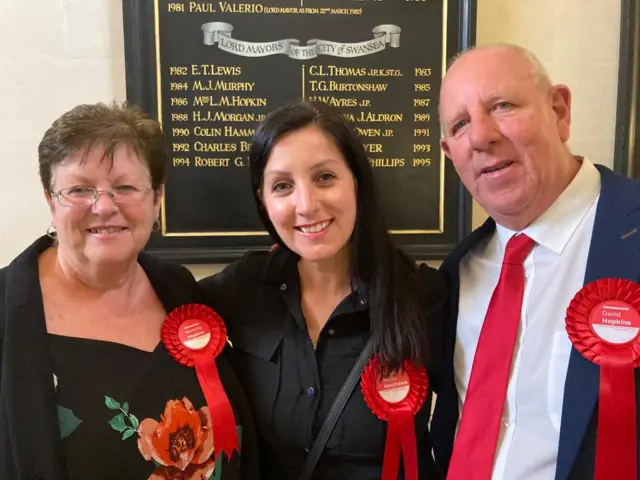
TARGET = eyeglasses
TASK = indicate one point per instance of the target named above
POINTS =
(85, 196)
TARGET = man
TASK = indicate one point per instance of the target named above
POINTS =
(519, 402)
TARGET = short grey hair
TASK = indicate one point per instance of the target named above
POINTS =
(538, 73)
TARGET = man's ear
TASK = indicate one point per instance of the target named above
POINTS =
(445, 147)
(560, 98)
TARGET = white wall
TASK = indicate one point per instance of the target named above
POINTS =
(55, 54)
(577, 41)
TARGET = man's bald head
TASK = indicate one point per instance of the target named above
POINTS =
(537, 71)
(505, 127)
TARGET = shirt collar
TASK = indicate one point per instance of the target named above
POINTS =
(282, 268)
(555, 227)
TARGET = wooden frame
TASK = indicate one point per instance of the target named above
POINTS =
(627, 140)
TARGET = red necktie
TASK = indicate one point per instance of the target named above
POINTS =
(475, 446)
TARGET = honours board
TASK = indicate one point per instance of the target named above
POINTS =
(211, 71)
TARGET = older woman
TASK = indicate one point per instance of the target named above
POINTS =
(87, 388)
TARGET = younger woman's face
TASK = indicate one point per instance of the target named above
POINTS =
(309, 194)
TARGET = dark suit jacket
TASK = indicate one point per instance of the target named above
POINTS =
(612, 254)
(29, 430)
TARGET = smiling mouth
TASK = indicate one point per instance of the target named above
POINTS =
(497, 167)
(105, 231)
(314, 228)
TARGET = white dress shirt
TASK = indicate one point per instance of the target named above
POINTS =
(554, 272)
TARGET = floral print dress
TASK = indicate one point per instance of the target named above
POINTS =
(129, 414)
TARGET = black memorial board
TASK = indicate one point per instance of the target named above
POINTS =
(210, 71)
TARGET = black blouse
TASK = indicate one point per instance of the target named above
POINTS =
(112, 402)
(78, 408)
(291, 386)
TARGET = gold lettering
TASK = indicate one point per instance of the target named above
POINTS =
(312, 11)
(386, 162)
(177, 70)
(215, 70)
(214, 147)
(211, 162)
(178, 86)
(235, 86)
(346, 71)
(202, 7)
(421, 87)
(179, 102)
(373, 147)
(379, 117)
(203, 86)
(368, 132)
(207, 132)
(238, 132)
(181, 162)
(208, 85)
(384, 72)
(227, 7)
(202, 100)
(333, 86)
(235, 101)
(175, 7)
(337, 102)
(218, 116)
(234, 117)
(421, 162)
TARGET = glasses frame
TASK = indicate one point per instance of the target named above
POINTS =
(96, 195)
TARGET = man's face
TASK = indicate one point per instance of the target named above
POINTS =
(505, 134)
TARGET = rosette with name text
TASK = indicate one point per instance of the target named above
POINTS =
(603, 324)
(396, 398)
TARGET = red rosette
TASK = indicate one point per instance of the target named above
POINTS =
(396, 399)
(194, 335)
(603, 324)
(195, 312)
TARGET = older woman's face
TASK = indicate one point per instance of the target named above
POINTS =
(105, 232)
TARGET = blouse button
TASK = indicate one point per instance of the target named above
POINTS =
(311, 392)
(331, 331)
(283, 287)
(363, 301)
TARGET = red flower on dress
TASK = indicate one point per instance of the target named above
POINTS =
(182, 442)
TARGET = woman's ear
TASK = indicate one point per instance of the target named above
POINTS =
(157, 199)
(50, 201)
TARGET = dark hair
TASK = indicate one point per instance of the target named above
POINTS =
(108, 126)
(395, 296)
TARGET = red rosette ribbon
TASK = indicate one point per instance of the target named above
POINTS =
(603, 324)
(396, 399)
(195, 335)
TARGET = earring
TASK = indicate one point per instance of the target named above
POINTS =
(51, 232)
(156, 226)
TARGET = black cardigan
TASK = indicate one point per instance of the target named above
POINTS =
(29, 430)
